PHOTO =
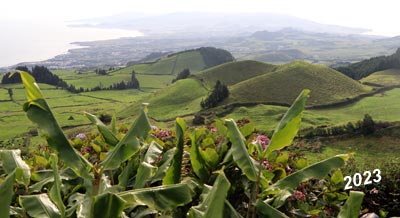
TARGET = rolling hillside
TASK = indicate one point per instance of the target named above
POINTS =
(195, 60)
(180, 98)
(388, 77)
(284, 84)
(232, 73)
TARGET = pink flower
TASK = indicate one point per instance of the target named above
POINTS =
(163, 134)
(81, 136)
(300, 196)
(213, 129)
(262, 140)
(266, 165)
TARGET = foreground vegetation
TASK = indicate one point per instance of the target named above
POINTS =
(225, 171)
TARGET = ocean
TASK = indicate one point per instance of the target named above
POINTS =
(24, 41)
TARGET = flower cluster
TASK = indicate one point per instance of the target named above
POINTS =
(262, 140)
(300, 196)
(81, 136)
(266, 165)
(163, 134)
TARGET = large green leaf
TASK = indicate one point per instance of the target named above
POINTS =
(317, 170)
(55, 191)
(39, 112)
(352, 206)
(107, 134)
(213, 204)
(144, 173)
(197, 161)
(6, 193)
(289, 125)
(129, 145)
(11, 161)
(268, 211)
(164, 165)
(39, 206)
(229, 211)
(173, 173)
(128, 171)
(162, 198)
(146, 170)
(108, 205)
(239, 151)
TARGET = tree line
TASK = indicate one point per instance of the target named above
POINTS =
(366, 126)
(365, 68)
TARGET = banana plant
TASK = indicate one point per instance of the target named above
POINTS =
(98, 197)
(139, 177)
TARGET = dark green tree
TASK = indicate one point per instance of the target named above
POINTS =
(182, 75)
(10, 93)
(134, 83)
(218, 94)
(367, 125)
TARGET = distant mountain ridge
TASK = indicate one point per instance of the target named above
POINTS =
(213, 24)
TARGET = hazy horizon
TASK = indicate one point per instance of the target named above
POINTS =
(38, 30)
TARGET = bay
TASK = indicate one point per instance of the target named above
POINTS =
(28, 41)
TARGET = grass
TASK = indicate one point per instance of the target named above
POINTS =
(388, 77)
(232, 73)
(283, 85)
(370, 152)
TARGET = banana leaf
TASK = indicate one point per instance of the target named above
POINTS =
(268, 211)
(55, 191)
(352, 206)
(39, 206)
(213, 203)
(289, 125)
(317, 170)
(129, 145)
(39, 112)
(239, 151)
(161, 198)
(173, 174)
(108, 135)
(11, 161)
(7, 193)
(108, 205)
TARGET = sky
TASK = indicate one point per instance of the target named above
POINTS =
(381, 16)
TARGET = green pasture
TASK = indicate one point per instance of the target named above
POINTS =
(385, 78)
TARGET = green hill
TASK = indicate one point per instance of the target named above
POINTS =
(181, 97)
(284, 84)
(234, 72)
(195, 60)
(388, 77)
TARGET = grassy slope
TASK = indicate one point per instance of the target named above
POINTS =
(173, 65)
(232, 73)
(385, 78)
(182, 97)
(284, 85)
(380, 107)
